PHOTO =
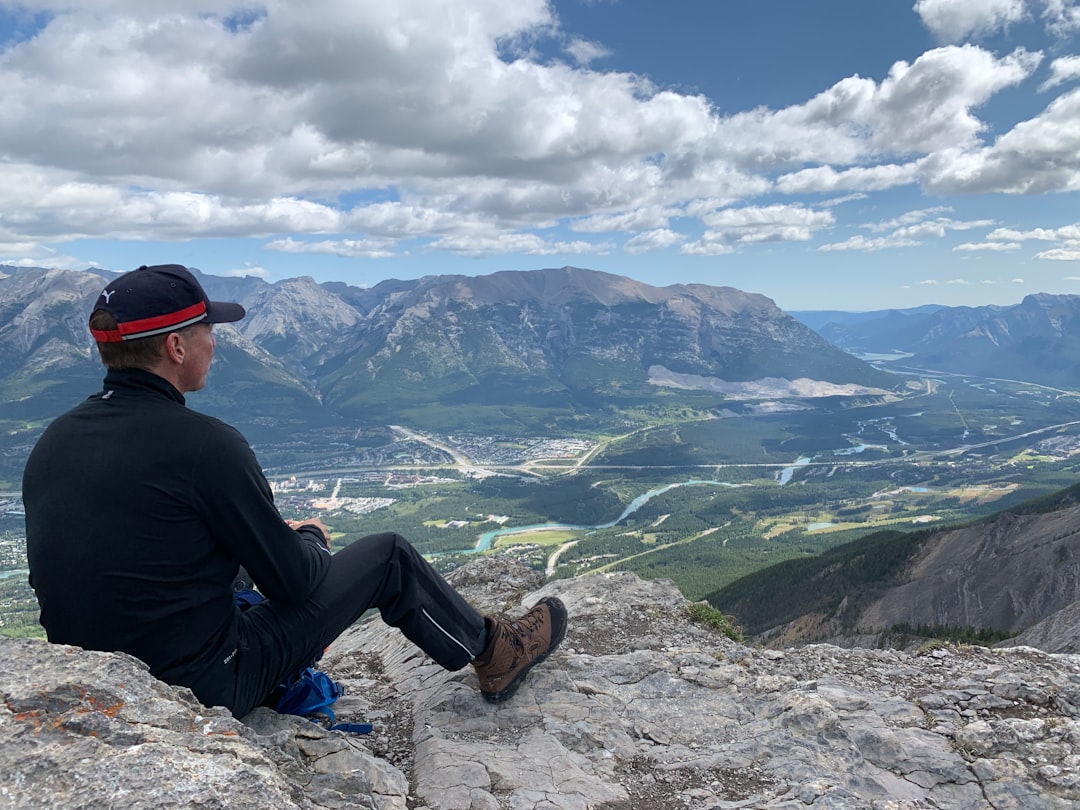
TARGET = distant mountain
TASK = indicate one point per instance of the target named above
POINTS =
(567, 339)
(818, 319)
(1037, 340)
(45, 349)
(508, 349)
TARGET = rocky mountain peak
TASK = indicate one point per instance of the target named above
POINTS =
(642, 707)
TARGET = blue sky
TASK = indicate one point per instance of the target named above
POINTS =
(836, 154)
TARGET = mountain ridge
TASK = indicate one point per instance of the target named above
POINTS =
(1036, 340)
(523, 346)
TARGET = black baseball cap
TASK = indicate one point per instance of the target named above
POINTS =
(158, 299)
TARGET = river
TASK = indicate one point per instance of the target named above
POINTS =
(487, 539)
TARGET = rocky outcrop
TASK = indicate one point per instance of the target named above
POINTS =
(1058, 632)
(1004, 575)
(641, 708)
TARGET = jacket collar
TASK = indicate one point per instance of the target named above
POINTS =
(136, 380)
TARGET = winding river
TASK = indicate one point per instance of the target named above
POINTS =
(487, 539)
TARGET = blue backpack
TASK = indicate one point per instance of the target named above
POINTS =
(307, 693)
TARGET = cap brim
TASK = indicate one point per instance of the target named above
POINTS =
(223, 312)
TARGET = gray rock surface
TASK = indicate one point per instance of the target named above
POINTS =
(1058, 632)
(1006, 574)
(641, 708)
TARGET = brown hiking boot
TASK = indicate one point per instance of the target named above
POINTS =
(515, 647)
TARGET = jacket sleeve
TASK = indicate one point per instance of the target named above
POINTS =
(234, 496)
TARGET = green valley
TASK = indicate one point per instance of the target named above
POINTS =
(700, 497)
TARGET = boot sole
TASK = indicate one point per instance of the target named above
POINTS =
(558, 626)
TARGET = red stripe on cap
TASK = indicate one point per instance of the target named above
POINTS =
(158, 323)
(107, 335)
(161, 321)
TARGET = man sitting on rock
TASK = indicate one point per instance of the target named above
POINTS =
(140, 512)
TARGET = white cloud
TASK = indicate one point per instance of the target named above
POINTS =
(706, 246)
(647, 217)
(940, 227)
(1062, 17)
(1067, 237)
(653, 240)
(826, 179)
(909, 229)
(32, 254)
(993, 247)
(523, 243)
(1067, 68)
(1040, 234)
(1037, 156)
(861, 243)
(958, 282)
(909, 218)
(584, 52)
(919, 108)
(955, 20)
(349, 248)
(729, 227)
(844, 199)
(368, 123)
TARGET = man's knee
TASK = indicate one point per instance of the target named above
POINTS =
(374, 550)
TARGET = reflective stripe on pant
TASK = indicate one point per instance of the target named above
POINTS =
(381, 571)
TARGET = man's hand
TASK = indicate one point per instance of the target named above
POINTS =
(318, 524)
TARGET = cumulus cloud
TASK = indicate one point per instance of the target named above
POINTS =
(773, 223)
(955, 20)
(1034, 157)
(350, 127)
(653, 240)
(1062, 70)
(826, 179)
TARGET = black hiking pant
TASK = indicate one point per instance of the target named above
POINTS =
(381, 571)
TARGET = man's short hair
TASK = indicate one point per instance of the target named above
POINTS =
(139, 353)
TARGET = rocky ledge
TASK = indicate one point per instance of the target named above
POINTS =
(641, 708)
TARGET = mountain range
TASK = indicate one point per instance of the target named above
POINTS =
(1037, 340)
(506, 350)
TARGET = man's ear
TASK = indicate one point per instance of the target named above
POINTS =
(174, 348)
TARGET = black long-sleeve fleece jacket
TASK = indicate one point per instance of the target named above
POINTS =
(139, 512)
